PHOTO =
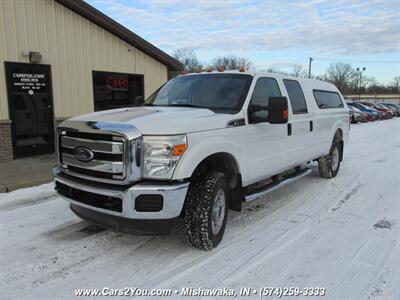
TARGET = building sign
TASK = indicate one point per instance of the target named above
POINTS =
(28, 82)
(117, 83)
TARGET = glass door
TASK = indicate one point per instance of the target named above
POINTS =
(31, 108)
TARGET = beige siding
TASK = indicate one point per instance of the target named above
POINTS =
(74, 47)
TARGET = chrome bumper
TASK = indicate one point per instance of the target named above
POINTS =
(173, 197)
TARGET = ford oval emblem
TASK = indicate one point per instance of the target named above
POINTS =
(83, 154)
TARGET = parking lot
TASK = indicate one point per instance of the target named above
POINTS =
(341, 234)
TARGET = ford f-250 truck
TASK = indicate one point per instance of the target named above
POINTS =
(200, 145)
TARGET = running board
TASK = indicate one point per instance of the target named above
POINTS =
(276, 185)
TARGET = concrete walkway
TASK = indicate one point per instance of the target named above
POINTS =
(26, 172)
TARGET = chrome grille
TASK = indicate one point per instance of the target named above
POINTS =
(96, 146)
(115, 148)
(108, 156)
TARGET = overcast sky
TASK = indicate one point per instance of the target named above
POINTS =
(272, 33)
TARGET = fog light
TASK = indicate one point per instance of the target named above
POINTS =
(149, 203)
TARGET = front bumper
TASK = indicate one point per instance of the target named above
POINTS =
(173, 197)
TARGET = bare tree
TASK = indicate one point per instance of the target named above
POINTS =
(299, 71)
(276, 71)
(188, 58)
(344, 76)
(230, 62)
(272, 70)
(368, 81)
(396, 84)
(376, 88)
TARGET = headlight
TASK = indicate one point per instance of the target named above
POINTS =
(161, 155)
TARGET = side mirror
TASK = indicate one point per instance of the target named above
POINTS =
(139, 100)
(257, 118)
(278, 110)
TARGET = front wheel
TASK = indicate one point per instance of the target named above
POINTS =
(329, 164)
(206, 210)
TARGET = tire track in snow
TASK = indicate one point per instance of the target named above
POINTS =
(286, 239)
(246, 258)
(26, 204)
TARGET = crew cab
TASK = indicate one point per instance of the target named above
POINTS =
(200, 145)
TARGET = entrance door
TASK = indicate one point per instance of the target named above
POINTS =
(31, 108)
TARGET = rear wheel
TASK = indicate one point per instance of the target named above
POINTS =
(206, 210)
(329, 164)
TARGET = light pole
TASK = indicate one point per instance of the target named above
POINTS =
(359, 70)
(309, 66)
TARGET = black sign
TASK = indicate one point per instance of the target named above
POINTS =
(28, 82)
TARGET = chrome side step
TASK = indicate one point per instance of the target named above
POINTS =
(276, 185)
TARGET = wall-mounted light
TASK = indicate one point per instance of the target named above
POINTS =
(34, 56)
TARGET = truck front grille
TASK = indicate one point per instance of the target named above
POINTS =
(107, 155)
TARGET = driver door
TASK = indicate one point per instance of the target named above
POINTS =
(266, 143)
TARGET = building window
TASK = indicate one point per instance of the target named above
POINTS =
(326, 99)
(114, 90)
(296, 96)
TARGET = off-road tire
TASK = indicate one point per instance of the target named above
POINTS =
(325, 167)
(198, 208)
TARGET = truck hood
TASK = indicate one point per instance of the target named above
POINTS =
(161, 120)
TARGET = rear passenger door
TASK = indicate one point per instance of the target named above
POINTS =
(301, 124)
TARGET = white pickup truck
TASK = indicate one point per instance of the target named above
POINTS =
(200, 145)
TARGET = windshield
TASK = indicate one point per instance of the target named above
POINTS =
(223, 93)
(354, 108)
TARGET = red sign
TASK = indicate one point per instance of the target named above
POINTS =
(119, 83)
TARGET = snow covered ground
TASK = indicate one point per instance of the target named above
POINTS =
(341, 234)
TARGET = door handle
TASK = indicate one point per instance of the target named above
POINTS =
(289, 129)
(311, 126)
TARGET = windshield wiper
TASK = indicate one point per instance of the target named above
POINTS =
(184, 105)
(175, 105)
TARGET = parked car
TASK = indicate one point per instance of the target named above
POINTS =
(395, 108)
(356, 115)
(381, 114)
(373, 115)
(392, 112)
(386, 113)
(200, 145)
(366, 117)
